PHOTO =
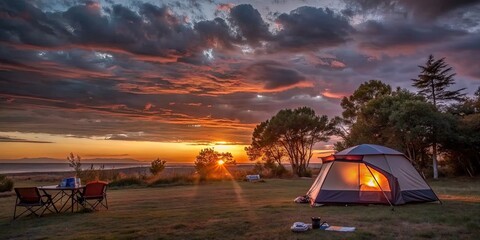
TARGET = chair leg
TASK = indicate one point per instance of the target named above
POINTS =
(15, 212)
(48, 206)
(44, 209)
(94, 205)
(34, 211)
(51, 203)
(21, 214)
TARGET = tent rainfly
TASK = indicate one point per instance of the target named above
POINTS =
(367, 174)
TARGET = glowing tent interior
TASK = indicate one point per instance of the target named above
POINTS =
(369, 173)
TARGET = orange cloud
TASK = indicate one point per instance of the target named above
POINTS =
(225, 7)
(337, 64)
(194, 104)
(329, 94)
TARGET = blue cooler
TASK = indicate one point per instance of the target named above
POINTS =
(70, 182)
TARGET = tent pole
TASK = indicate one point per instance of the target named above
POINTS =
(388, 200)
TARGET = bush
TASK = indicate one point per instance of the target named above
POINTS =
(75, 163)
(275, 169)
(6, 184)
(157, 166)
(210, 163)
(128, 181)
(270, 169)
(175, 180)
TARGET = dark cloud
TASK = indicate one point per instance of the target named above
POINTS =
(383, 35)
(19, 140)
(215, 32)
(146, 72)
(250, 24)
(467, 43)
(464, 55)
(425, 9)
(152, 30)
(23, 23)
(274, 75)
(311, 28)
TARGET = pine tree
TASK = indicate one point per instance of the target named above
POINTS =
(434, 79)
(436, 76)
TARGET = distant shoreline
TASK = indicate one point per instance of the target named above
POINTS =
(26, 169)
(36, 168)
(72, 173)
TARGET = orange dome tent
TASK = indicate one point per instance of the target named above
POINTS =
(369, 173)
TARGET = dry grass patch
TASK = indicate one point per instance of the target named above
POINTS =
(242, 210)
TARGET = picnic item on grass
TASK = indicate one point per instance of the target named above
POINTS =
(340, 229)
(299, 227)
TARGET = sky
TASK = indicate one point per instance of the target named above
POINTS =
(147, 79)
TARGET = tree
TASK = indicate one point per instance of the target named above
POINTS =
(293, 132)
(157, 166)
(271, 154)
(402, 120)
(365, 92)
(351, 105)
(414, 122)
(209, 160)
(464, 159)
(262, 146)
(434, 79)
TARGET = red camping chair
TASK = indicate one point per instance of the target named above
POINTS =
(94, 194)
(33, 201)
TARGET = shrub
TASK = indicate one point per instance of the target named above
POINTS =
(275, 169)
(270, 169)
(6, 184)
(209, 163)
(128, 181)
(258, 168)
(175, 180)
(75, 163)
(157, 166)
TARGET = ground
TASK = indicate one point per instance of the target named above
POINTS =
(242, 210)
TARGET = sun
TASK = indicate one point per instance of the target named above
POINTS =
(220, 162)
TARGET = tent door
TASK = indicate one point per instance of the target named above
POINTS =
(374, 186)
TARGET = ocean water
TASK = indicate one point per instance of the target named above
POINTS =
(60, 167)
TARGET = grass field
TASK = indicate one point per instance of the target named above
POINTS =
(242, 210)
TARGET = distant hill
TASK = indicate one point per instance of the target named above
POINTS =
(57, 160)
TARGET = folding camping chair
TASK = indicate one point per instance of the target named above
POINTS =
(94, 194)
(33, 201)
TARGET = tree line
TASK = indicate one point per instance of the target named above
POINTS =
(435, 122)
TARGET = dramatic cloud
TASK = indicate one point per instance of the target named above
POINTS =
(425, 9)
(200, 72)
(274, 75)
(250, 24)
(216, 32)
(401, 36)
(311, 28)
(15, 140)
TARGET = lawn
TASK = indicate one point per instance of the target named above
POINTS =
(242, 210)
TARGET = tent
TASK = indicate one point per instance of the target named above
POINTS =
(369, 173)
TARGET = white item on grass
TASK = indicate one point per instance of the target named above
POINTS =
(299, 227)
(252, 178)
